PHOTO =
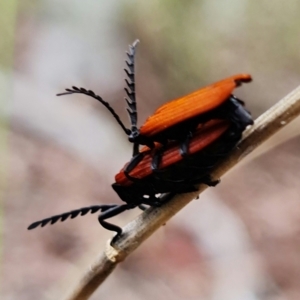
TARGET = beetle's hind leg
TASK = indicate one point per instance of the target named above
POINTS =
(184, 151)
(109, 213)
(157, 159)
(157, 156)
(184, 146)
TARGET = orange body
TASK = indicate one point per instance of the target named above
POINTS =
(205, 135)
(192, 105)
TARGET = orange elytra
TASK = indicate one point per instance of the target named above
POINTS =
(192, 105)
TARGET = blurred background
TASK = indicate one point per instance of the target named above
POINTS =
(239, 241)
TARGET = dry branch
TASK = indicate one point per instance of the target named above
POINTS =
(145, 224)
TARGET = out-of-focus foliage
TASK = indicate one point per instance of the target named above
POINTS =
(194, 42)
(7, 30)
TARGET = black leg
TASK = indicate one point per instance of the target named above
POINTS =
(184, 147)
(109, 213)
(153, 201)
(156, 160)
(158, 201)
(132, 164)
(157, 157)
(142, 207)
(136, 149)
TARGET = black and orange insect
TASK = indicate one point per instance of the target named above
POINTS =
(175, 120)
(170, 164)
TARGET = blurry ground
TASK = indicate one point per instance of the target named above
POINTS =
(239, 241)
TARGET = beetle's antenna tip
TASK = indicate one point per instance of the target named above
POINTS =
(135, 42)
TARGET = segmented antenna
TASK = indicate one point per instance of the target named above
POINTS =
(76, 90)
(131, 86)
(73, 214)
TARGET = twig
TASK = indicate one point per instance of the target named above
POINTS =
(145, 224)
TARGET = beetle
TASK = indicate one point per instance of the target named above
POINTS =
(176, 119)
(194, 132)
(210, 143)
